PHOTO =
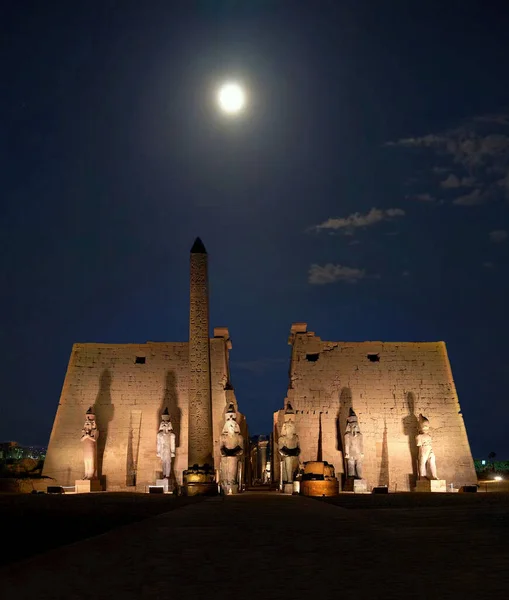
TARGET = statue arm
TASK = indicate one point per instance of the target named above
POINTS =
(158, 447)
(172, 445)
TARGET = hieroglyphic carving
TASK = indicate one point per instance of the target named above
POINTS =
(200, 398)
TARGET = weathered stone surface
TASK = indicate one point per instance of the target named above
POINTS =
(128, 398)
(360, 486)
(200, 403)
(163, 483)
(85, 486)
(387, 384)
(431, 485)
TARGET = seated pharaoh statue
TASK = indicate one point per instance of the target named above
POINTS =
(232, 448)
(289, 447)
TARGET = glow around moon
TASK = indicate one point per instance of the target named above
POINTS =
(231, 98)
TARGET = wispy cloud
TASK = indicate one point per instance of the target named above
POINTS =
(474, 198)
(453, 181)
(498, 236)
(474, 155)
(330, 273)
(356, 220)
(423, 197)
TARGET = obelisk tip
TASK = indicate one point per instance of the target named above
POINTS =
(198, 247)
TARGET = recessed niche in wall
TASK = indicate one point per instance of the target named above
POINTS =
(313, 357)
(374, 357)
(140, 360)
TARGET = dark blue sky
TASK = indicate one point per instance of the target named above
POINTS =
(365, 190)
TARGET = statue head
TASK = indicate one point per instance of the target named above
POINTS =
(423, 424)
(165, 425)
(352, 423)
(89, 420)
(230, 420)
(230, 414)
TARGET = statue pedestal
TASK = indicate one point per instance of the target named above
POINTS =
(199, 481)
(230, 489)
(164, 484)
(85, 486)
(287, 488)
(431, 485)
(360, 486)
(317, 487)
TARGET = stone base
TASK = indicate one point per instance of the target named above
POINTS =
(199, 489)
(360, 486)
(287, 488)
(164, 484)
(85, 486)
(199, 481)
(316, 487)
(230, 489)
(431, 485)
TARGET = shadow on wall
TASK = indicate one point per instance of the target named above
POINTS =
(131, 462)
(411, 429)
(170, 401)
(345, 404)
(383, 478)
(104, 411)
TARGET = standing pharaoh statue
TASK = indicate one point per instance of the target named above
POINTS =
(166, 443)
(89, 437)
(232, 448)
(354, 446)
(426, 454)
(289, 447)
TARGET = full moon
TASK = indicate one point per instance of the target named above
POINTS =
(231, 98)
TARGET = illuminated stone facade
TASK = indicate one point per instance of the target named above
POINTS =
(129, 386)
(388, 384)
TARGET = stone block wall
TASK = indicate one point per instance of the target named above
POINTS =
(387, 384)
(128, 386)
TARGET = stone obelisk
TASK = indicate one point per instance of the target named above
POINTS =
(199, 478)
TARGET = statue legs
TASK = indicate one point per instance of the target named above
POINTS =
(89, 459)
(289, 469)
(229, 470)
(166, 468)
(354, 468)
(425, 458)
(433, 466)
(89, 468)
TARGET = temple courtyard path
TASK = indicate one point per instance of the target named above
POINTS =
(266, 545)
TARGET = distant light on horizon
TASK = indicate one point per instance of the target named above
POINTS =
(498, 478)
(231, 98)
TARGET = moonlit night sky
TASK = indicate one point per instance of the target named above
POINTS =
(364, 189)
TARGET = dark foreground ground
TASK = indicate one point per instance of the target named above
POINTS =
(34, 524)
(267, 546)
